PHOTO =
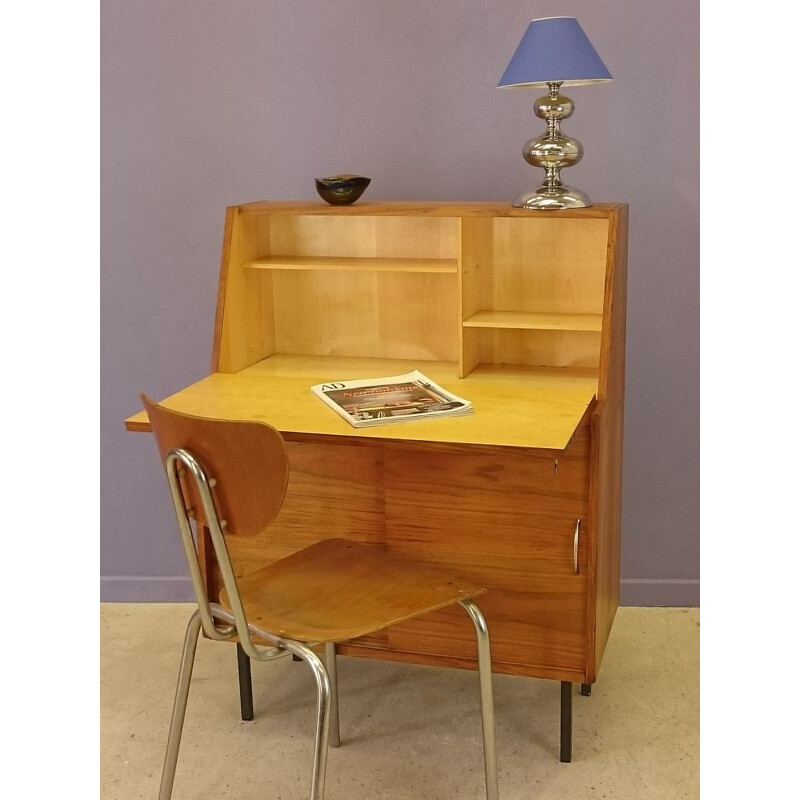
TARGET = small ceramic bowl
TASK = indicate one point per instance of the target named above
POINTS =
(341, 190)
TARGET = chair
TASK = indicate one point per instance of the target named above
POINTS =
(231, 476)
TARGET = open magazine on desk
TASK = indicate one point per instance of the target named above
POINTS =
(378, 401)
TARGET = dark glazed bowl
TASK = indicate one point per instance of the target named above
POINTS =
(341, 190)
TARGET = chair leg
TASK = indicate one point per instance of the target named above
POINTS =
(487, 698)
(245, 683)
(323, 715)
(330, 664)
(179, 707)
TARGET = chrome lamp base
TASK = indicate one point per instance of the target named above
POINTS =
(546, 198)
(553, 151)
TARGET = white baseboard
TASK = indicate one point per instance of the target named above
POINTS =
(140, 589)
(659, 592)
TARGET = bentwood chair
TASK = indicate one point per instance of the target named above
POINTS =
(231, 477)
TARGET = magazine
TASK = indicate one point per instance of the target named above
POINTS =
(377, 401)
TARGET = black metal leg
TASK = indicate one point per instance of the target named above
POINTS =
(566, 722)
(586, 689)
(245, 683)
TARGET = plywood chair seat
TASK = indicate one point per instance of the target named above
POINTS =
(337, 590)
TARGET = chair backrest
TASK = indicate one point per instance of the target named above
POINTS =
(230, 476)
(246, 460)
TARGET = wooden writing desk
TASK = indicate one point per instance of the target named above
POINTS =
(522, 313)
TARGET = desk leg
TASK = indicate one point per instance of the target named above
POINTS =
(586, 689)
(566, 722)
(245, 683)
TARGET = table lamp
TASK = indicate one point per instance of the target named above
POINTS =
(554, 51)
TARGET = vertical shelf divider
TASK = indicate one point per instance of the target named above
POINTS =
(475, 282)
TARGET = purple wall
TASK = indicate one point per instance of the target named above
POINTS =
(208, 104)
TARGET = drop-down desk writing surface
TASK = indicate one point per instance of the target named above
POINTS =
(520, 313)
(526, 408)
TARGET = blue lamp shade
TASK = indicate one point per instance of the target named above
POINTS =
(555, 49)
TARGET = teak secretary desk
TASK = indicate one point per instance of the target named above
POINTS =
(520, 312)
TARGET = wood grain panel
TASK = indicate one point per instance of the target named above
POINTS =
(608, 429)
(509, 516)
(544, 626)
(418, 316)
(244, 330)
(548, 265)
(334, 237)
(361, 650)
(366, 314)
(342, 236)
(506, 523)
(327, 313)
(334, 491)
(551, 348)
(417, 237)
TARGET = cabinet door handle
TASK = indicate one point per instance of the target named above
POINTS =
(575, 545)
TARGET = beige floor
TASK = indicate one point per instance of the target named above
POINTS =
(408, 732)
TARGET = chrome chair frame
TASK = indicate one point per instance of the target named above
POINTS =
(181, 462)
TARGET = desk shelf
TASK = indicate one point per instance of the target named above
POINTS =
(355, 264)
(535, 321)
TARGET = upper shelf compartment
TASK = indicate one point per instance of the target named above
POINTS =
(532, 290)
(356, 264)
(477, 284)
(394, 244)
(332, 284)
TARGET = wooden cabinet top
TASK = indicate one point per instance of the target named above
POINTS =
(419, 208)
